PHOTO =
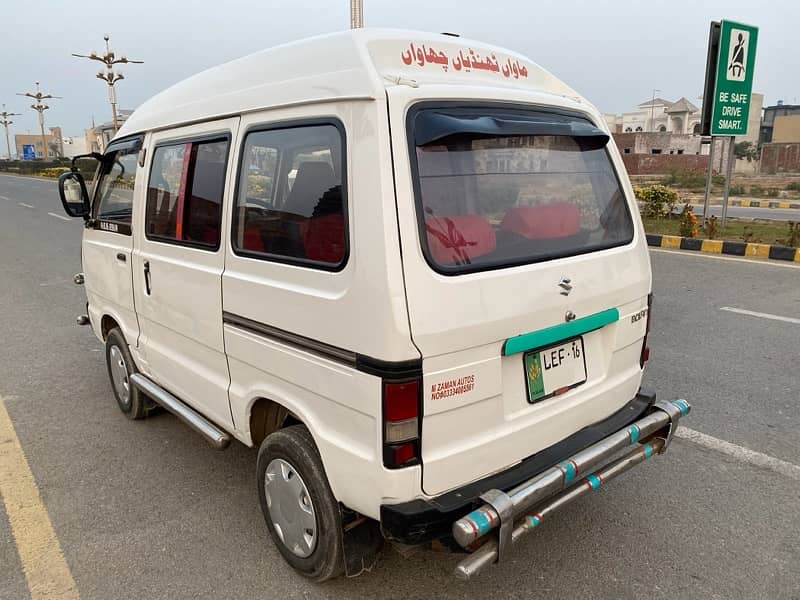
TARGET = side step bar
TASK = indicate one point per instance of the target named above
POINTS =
(215, 436)
(520, 510)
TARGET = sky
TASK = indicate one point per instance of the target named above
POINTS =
(612, 52)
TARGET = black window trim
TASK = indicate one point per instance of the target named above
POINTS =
(225, 135)
(280, 258)
(459, 270)
(131, 144)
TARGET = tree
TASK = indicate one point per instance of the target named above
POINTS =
(745, 150)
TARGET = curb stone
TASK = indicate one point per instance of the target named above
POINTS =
(745, 203)
(764, 204)
(734, 248)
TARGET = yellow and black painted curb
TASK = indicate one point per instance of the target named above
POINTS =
(764, 204)
(746, 203)
(772, 251)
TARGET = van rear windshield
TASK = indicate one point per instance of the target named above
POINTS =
(502, 187)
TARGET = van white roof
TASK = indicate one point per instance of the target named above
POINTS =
(353, 64)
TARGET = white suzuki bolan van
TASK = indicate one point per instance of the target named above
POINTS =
(407, 267)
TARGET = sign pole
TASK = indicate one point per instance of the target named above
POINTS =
(709, 176)
(726, 96)
(728, 175)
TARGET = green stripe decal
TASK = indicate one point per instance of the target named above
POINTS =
(556, 333)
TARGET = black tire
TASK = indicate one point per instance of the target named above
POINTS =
(296, 446)
(134, 405)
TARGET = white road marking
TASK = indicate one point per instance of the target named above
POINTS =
(5, 198)
(761, 315)
(62, 217)
(32, 178)
(26, 205)
(55, 282)
(740, 453)
(758, 261)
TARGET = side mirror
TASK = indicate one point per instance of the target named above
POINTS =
(74, 197)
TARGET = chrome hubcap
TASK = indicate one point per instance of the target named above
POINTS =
(119, 375)
(290, 508)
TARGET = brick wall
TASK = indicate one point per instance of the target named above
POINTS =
(663, 164)
(780, 158)
(625, 140)
(645, 142)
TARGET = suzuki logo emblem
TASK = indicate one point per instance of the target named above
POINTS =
(566, 286)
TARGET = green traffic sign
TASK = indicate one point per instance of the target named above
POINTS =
(734, 80)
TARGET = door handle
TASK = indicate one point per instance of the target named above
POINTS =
(121, 257)
(147, 276)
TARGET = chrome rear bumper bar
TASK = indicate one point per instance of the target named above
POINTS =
(520, 510)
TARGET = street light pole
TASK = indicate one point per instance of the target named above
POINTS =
(109, 59)
(5, 122)
(356, 14)
(40, 107)
(652, 108)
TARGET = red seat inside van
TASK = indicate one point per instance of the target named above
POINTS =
(459, 238)
(323, 238)
(546, 221)
(252, 239)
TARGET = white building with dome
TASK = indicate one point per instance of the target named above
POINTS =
(682, 116)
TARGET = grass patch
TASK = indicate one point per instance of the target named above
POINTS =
(685, 179)
(766, 232)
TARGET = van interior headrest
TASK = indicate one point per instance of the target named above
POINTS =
(312, 180)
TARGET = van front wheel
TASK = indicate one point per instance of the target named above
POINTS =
(301, 512)
(120, 367)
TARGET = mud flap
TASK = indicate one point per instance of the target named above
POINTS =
(362, 542)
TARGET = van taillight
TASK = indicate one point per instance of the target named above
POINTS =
(401, 423)
(645, 348)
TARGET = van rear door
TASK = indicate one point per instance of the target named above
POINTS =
(525, 270)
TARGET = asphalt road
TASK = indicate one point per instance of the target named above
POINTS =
(743, 212)
(148, 510)
(747, 212)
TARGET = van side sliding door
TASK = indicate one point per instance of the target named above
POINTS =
(178, 262)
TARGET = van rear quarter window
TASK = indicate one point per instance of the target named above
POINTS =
(501, 187)
(290, 205)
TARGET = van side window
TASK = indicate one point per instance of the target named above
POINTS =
(114, 199)
(290, 205)
(184, 195)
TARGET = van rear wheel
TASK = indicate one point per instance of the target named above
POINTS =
(301, 512)
(120, 364)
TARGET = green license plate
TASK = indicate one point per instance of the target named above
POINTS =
(554, 370)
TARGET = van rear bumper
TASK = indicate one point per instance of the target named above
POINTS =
(420, 521)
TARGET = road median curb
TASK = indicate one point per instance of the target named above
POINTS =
(764, 204)
(747, 203)
(772, 251)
